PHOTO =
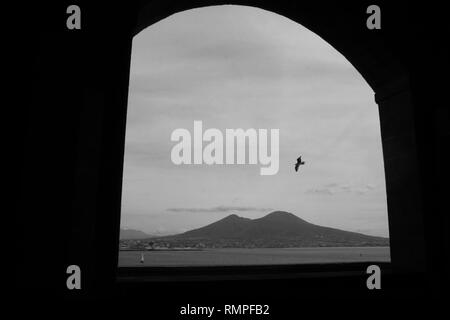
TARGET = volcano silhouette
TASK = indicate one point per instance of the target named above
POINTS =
(277, 229)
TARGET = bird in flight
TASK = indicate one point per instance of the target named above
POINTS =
(299, 163)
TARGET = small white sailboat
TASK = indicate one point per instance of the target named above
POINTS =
(142, 257)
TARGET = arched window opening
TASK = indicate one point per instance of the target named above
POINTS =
(190, 198)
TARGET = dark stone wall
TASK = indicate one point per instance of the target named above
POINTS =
(73, 127)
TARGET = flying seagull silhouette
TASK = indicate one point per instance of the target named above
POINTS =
(299, 163)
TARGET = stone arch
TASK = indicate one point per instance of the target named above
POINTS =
(343, 27)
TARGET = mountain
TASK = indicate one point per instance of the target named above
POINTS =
(131, 234)
(277, 229)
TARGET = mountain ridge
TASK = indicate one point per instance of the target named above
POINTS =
(132, 234)
(276, 229)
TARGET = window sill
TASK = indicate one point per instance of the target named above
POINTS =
(260, 272)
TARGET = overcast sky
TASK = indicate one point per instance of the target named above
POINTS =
(241, 67)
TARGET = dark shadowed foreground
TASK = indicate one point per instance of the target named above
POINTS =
(257, 256)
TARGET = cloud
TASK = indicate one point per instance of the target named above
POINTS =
(221, 209)
(324, 191)
(334, 188)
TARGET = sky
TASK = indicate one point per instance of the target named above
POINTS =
(242, 67)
